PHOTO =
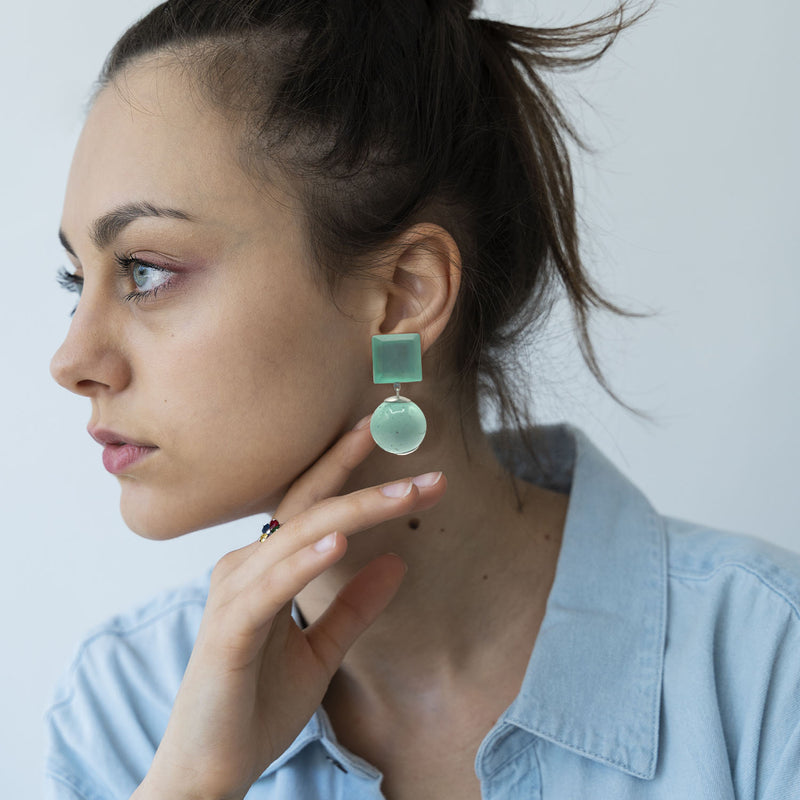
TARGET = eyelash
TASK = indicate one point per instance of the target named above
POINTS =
(125, 264)
(71, 282)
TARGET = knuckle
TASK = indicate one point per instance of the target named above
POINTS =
(330, 650)
(323, 502)
(222, 569)
(360, 503)
(352, 614)
(370, 506)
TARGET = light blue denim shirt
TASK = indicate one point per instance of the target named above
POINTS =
(667, 667)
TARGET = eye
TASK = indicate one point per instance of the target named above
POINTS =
(147, 278)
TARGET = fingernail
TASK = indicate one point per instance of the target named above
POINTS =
(428, 479)
(397, 489)
(326, 544)
(361, 424)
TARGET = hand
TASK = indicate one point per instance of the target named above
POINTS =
(254, 677)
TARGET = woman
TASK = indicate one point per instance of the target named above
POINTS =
(261, 189)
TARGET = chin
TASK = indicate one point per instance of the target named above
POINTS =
(152, 515)
(158, 527)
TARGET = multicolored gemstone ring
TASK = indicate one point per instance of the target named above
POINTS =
(269, 529)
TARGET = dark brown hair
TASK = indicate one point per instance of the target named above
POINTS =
(389, 112)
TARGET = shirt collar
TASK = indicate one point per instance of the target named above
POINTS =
(319, 729)
(593, 683)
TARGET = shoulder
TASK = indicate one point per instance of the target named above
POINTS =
(732, 652)
(739, 594)
(111, 706)
(733, 565)
(160, 633)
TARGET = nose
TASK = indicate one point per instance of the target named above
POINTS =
(91, 358)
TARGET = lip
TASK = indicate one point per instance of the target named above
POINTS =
(120, 452)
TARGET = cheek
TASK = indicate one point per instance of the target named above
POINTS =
(241, 407)
(249, 374)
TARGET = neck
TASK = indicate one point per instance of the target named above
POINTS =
(480, 567)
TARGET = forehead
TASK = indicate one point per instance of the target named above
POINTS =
(150, 135)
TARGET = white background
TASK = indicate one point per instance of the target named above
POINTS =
(690, 208)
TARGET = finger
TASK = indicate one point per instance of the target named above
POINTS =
(348, 514)
(326, 476)
(250, 611)
(247, 562)
(323, 479)
(354, 609)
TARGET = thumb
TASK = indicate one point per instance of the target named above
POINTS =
(354, 609)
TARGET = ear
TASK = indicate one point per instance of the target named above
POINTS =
(422, 268)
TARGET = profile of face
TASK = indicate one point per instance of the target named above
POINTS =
(200, 332)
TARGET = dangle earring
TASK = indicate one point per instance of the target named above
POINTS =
(398, 425)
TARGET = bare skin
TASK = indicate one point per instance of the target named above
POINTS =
(418, 692)
(245, 380)
(421, 688)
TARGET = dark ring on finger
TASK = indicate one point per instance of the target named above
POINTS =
(269, 529)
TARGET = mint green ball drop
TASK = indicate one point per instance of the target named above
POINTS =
(398, 426)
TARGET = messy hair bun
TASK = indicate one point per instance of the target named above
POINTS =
(386, 113)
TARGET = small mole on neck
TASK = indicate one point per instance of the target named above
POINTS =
(413, 523)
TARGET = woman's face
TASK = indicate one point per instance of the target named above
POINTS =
(200, 332)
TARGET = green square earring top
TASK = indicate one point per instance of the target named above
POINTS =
(398, 425)
(396, 358)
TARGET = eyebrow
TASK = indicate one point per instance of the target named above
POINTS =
(106, 228)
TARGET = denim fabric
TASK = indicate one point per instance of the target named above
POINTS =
(667, 667)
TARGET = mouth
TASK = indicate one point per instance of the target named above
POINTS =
(120, 452)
